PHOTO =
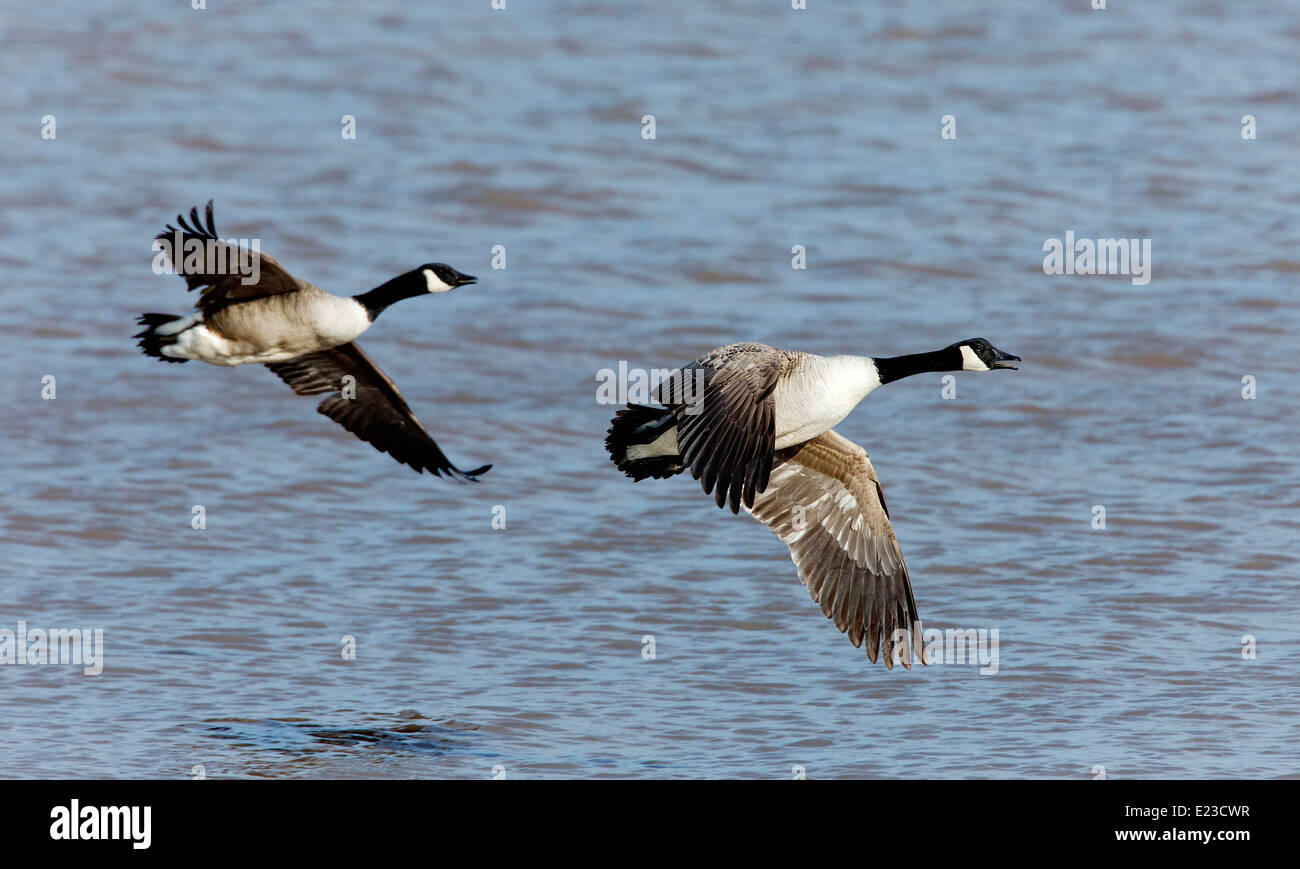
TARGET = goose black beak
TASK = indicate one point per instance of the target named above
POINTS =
(1001, 359)
(464, 280)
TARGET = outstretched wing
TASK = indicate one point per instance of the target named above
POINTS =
(823, 500)
(376, 412)
(225, 271)
(726, 419)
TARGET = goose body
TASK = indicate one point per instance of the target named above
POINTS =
(756, 425)
(272, 329)
(261, 314)
(812, 394)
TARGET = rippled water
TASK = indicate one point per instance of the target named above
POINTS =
(521, 648)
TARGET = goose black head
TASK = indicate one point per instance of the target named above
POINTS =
(440, 277)
(979, 355)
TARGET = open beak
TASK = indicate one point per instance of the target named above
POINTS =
(466, 279)
(1001, 359)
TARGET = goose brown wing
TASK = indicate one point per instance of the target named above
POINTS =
(824, 501)
(376, 413)
(221, 275)
(726, 419)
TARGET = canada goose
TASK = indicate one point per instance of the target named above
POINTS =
(756, 423)
(258, 312)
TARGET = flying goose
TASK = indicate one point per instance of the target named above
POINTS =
(756, 424)
(253, 311)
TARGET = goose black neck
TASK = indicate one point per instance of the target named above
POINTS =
(400, 287)
(897, 367)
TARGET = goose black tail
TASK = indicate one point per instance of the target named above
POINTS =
(151, 343)
(638, 425)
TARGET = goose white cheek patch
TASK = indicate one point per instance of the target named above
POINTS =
(435, 283)
(971, 362)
